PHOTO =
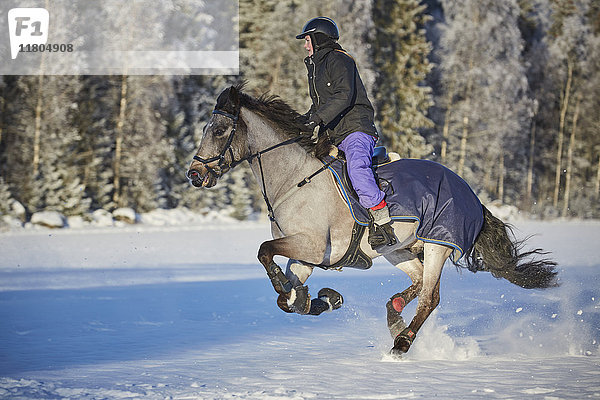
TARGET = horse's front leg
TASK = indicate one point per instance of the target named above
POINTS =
(298, 298)
(290, 287)
(279, 280)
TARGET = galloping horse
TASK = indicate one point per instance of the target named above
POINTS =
(312, 226)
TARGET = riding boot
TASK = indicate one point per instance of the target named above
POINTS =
(381, 232)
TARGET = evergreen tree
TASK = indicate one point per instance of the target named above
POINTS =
(43, 141)
(143, 144)
(94, 122)
(59, 135)
(357, 34)
(270, 55)
(533, 23)
(568, 46)
(59, 186)
(593, 16)
(561, 9)
(5, 198)
(241, 199)
(17, 136)
(190, 108)
(581, 128)
(485, 94)
(590, 136)
(2, 107)
(400, 54)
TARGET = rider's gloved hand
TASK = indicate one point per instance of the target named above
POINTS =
(313, 123)
(303, 118)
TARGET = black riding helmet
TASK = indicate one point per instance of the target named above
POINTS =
(322, 25)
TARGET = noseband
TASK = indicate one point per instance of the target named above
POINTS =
(233, 163)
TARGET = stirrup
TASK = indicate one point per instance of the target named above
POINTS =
(381, 235)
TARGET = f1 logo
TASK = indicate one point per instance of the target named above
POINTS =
(27, 26)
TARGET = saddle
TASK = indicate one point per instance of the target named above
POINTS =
(340, 171)
(380, 157)
(354, 256)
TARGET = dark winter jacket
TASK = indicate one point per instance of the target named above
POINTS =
(338, 95)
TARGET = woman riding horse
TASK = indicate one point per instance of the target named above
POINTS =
(342, 112)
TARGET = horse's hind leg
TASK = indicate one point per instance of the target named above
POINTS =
(434, 257)
(410, 264)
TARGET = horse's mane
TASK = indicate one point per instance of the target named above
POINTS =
(271, 107)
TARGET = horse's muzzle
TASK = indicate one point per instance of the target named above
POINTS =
(195, 178)
(198, 179)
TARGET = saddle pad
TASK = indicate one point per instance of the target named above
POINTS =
(446, 208)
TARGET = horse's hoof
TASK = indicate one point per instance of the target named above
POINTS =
(299, 300)
(332, 297)
(403, 342)
(400, 348)
(396, 353)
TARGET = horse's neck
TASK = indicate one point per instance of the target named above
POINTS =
(282, 167)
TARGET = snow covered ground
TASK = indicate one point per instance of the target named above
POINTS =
(187, 313)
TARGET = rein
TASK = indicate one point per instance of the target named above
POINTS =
(257, 155)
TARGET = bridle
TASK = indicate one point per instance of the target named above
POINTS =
(233, 163)
(221, 156)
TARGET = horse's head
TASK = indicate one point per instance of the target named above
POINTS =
(223, 143)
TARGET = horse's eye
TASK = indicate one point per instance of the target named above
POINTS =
(219, 132)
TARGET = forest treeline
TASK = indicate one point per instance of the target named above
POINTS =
(504, 92)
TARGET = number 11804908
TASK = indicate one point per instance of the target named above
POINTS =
(38, 48)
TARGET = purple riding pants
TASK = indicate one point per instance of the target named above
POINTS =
(358, 147)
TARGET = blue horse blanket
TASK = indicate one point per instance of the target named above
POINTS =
(446, 208)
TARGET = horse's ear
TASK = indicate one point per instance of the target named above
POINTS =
(234, 96)
(229, 100)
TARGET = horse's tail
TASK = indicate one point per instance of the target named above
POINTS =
(494, 251)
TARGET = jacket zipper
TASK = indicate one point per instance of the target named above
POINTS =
(315, 80)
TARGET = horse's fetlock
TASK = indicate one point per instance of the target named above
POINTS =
(397, 327)
(291, 297)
